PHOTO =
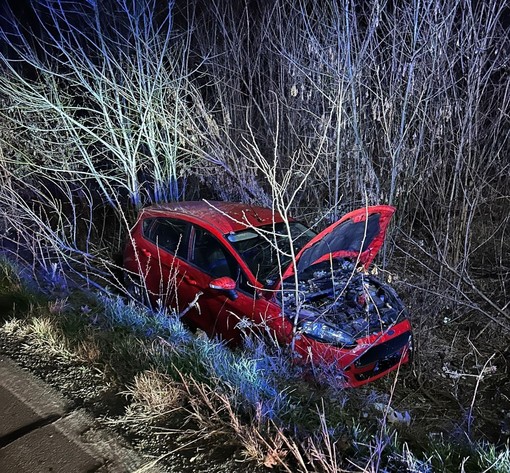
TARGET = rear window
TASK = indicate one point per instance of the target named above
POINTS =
(169, 234)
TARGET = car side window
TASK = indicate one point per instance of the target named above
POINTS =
(167, 233)
(213, 258)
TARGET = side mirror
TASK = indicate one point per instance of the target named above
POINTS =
(226, 285)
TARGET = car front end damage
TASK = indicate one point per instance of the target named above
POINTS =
(238, 259)
(347, 318)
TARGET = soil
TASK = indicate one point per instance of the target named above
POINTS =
(459, 384)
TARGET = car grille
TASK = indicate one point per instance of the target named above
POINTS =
(385, 355)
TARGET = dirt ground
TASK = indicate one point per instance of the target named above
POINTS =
(459, 381)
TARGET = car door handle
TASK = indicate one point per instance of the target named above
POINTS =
(145, 252)
(189, 280)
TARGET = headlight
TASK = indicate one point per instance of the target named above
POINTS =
(327, 334)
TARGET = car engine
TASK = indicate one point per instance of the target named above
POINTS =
(337, 295)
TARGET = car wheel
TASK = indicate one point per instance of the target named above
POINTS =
(135, 289)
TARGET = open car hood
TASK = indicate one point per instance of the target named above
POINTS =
(358, 235)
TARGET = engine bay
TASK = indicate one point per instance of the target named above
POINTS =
(338, 295)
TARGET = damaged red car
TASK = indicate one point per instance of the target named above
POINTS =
(227, 266)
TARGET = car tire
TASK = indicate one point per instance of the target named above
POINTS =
(135, 289)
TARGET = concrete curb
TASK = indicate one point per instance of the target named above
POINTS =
(39, 432)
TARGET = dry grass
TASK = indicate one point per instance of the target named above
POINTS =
(90, 351)
(187, 390)
(154, 396)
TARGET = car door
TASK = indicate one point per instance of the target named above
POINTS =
(161, 254)
(215, 312)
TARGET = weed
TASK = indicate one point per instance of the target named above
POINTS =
(492, 459)
(154, 396)
(46, 333)
(12, 326)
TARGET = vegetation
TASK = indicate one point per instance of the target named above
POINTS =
(313, 108)
(252, 400)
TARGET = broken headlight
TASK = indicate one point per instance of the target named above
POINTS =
(326, 333)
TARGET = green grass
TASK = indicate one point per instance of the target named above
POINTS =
(254, 398)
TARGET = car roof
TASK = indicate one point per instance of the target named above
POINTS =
(227, 217)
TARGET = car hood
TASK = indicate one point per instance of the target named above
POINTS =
(358, 235)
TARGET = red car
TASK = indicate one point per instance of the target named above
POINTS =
(226, 266)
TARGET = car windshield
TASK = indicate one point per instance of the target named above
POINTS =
(257, 247)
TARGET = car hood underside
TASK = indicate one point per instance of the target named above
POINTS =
(358, 236)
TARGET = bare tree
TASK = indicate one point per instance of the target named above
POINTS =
(313, 108)
(92, 98)
(110, 76)
(404, 103)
